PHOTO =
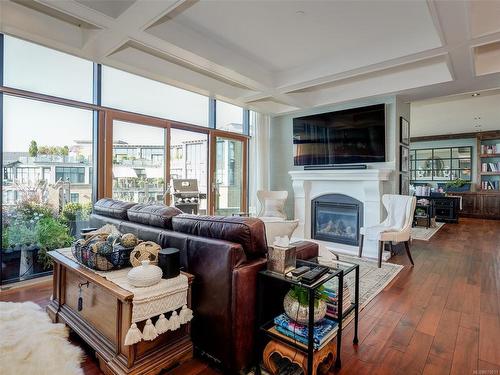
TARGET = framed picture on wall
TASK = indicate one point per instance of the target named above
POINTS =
(404, 159)
(404, 131)
(404, 184)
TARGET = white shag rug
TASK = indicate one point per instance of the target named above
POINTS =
(425, 234)
(31, 344)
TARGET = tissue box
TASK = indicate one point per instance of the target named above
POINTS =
(281, 259)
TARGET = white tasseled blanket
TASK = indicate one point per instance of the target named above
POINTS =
(168, 295)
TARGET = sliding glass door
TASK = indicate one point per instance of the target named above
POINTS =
(189, 167)
(138, 158)
(230, 176)
(148, 160)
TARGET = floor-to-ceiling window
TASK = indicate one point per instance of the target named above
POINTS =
(229, 117)
(74, 131)
(46, 191)
(189, 161)
(137, 94)
(138, 162)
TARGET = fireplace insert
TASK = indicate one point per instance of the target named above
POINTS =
(337, 218)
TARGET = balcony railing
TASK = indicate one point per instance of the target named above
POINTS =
(56, 159)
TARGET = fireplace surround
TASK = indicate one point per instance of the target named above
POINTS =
(366, 186)
(336, 218)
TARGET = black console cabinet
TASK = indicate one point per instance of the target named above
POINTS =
(445, 208)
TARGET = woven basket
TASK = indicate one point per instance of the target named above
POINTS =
(96, 253)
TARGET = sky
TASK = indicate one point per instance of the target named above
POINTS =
(39, 69)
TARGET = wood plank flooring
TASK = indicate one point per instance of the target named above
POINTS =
(440, 317)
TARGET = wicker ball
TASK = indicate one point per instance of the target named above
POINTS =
(97, 246)
(113, 238)
(129, 240)
(105, 248)
(145, 251)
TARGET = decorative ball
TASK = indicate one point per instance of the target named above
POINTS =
(129, 240)
(112, 238)
(105, 248)
(97, 246)
(145, 251)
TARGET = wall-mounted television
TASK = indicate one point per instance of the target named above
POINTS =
(351, 136)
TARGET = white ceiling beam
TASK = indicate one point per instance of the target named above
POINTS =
(131, 25)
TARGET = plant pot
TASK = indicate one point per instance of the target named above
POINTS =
(455, 189)
(38, 266)
(300, 313)
(10, 263)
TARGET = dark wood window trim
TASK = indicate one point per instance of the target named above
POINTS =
(104, 141)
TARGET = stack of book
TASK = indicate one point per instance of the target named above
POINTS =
(490, 185)
(323, 332)
(332, 303)
(489, 149)
(490, 167)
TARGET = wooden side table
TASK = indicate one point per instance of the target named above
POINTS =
(322, 359)
(105, 318)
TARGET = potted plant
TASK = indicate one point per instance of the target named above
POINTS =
(296, 304)
(52, 234)
(75, 216)
(456, 185)
(22, 245)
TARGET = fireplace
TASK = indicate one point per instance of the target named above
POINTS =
(336, 218)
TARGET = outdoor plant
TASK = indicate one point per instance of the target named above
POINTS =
(5, 238)
(22, 232)
(52, 234)
(30, 208)
(72, 211)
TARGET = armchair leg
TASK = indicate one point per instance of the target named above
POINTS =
(380, 252)
(407, 247)
(391, 247)
(360, 251)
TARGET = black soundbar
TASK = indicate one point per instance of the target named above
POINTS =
(339, 166)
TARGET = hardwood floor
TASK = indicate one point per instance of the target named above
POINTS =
(440, 317)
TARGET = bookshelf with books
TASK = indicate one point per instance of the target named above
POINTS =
(488, 149)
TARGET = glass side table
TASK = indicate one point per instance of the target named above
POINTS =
(268, 281)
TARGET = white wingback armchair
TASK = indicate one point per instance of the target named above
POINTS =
(272, 203)
(395, 228)
(272, 213)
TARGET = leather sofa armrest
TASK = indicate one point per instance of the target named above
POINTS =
(244, 311)
(306, 250)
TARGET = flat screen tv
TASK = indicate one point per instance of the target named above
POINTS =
(350, 136)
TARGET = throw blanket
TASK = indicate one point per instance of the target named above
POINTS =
(169, 295)
(396, 217)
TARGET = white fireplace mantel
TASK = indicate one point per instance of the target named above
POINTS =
(365, 185)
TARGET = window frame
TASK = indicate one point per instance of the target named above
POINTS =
(102, 134)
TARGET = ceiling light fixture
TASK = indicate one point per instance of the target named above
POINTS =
(476, 94)
(300, 12)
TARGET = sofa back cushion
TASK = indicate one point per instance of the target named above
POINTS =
(112, 208)
(212, 262)
(250, 233)
(156, 215)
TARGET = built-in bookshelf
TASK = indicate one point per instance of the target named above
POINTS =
(488, 149)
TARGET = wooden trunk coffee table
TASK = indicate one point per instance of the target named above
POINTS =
(105, 319)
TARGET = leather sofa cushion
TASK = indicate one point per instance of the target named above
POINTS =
(156, 215)
(250, 233)
(112, 208)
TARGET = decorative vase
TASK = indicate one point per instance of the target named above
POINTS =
(144, 275)
(300, 313)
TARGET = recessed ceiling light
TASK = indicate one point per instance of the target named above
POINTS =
(476, 94)
(300, 12)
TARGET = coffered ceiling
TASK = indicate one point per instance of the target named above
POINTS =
(278, 56)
